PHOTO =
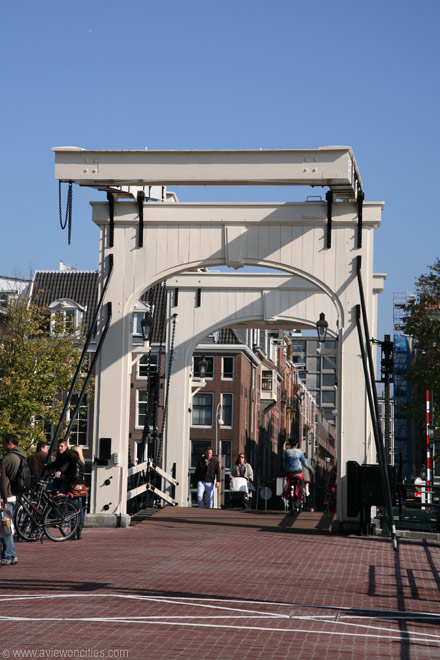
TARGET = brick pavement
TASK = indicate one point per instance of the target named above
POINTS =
(190, 583)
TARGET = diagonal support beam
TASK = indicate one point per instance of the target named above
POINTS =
(370, 382)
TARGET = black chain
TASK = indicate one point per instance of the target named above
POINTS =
(166, 397)
(162, 317)
(67, 222)
(146, 430)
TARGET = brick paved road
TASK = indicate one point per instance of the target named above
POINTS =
(191, 583)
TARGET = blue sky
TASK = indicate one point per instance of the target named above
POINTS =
(207, 74)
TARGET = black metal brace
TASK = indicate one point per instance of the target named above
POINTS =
(360, 205)
(329, 198)
(370, 381)
(140, 201)
(111, 204)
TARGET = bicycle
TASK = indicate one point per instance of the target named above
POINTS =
(39, 513)
(294, 492)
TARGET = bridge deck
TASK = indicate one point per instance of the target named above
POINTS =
(189, 583)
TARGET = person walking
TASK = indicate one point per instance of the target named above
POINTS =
(12, 459)
(207, 476)
(242, 468)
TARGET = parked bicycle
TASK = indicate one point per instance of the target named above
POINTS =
(38, 513)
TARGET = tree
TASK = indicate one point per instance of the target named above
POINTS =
(422, 323)
(37, 364)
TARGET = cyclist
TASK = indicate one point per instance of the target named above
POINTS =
(293, 458)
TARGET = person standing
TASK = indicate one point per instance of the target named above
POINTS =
(306, 474)
(11, 463)
(59, 467)
(207, 476)
(74, 475)
(38, 459)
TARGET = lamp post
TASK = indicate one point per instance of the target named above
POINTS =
(218, 422)
(321, 327)
(147, 323)
(203, 366)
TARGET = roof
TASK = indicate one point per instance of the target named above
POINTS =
(80, 286)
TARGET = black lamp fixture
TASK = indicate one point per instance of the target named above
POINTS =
(321, 327)
(147, 324)
(203, 366)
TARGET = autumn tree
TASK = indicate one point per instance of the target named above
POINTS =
(422, 323)
(37, 364)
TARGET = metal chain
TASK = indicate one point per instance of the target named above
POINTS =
(162, 318)
(67, 222)
(166, 395)
(146, 430)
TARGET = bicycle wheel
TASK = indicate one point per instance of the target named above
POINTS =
(61, 520)
(28, 523)
(292, 500)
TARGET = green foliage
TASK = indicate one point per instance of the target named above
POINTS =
(36, 366)
(422, 322)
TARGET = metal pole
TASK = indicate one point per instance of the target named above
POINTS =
(428, 447)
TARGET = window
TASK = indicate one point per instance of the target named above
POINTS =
(299, 346)
(266, 381)
(328, 380)
(141, 407)
(227, 401)
(4, 301)
(66, 316)
(137, 327)
(227, 368)
(209, 369)
(198, 448)
(202, 409)
(326, 364)
(153, 358)
(328, 396)
(78, 434)
(226, 452)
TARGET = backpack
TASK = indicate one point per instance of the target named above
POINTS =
(23, 478)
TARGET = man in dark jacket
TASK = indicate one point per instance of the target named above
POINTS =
(207, 475)
(38, 459)
(59, 466)
(11, 459)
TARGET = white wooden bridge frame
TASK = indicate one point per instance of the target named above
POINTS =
(179, 237)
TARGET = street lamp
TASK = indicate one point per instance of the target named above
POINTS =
(321, 327)
(147, 323)
(203, 366)
(218, 422)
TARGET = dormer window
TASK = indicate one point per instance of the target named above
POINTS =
(66, 316)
